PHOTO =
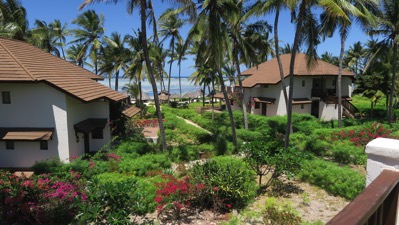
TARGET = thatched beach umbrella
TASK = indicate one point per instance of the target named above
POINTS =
(175, 96)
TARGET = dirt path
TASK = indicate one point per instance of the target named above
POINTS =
(194, 124)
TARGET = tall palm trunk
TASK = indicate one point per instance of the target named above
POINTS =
(180, 77)
(339, 80)
(392, 94)
(280, 65)
(213, 93)
(228, 106)
(63, 53)
(170, 67)
(292, 64)
(203, 95)
(116, 80)
(241, 91)
(141, 100)
(143, 7)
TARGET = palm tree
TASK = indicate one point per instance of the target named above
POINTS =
(353, 57)
(388, 27)
(91, 29)
(263, 7)
(211, 30)
(306, 31)
(60, 33)
(74, 55)
(328, 57)
(180, 56)
(339, 15)
(118, 55)
(145, 8)
(42, 36)
(169, 25)
(13, 20)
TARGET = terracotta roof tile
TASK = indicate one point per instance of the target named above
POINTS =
(268, 72)
(20, 61)
(131, 111)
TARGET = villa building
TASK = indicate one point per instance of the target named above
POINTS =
(49, 108)
(314, 89)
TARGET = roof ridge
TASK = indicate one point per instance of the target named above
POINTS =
(17, 61)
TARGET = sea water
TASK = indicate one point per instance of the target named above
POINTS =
(186, 85)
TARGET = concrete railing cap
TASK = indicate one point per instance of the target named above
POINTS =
(383, 147)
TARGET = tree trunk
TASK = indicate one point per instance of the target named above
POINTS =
(180, 77)
(371, 109)
(392, 94)
(280, 65)
(203, 95)
(228, 107)
(170, 67)
(213, 92)
(292, 64)
(116, 80)
(339, 81)
(141, 100)
(241, 91)
(143, 7)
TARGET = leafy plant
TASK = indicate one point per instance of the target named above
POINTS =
(227, 180)
(280, 213)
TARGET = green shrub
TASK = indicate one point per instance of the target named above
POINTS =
(111, 177)
(280, 213)
(342, 181)
(47, 166)
(346, 152)
(116, 202)
(133, 149)
(229, 179)
(248, 135)
(220, 144)
(317, 147)
(141, 165)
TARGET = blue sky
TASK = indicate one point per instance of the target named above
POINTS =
(117, 19)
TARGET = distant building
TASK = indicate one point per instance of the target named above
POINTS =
(49, 108)
(314, 89)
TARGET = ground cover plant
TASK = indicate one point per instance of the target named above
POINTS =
(142, 179)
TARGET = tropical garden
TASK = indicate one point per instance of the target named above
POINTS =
(238, 157)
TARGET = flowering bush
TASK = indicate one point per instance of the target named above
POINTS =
(40, 200)
(173, 195)
(363, 136)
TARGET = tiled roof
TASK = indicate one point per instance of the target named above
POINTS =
(269, 73)
(131, 111)
(88, 125)
(26, 134)
(20, 61)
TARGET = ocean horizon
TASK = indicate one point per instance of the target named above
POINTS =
(186, 85)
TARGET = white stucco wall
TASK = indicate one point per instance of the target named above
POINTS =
(328, 111)
(79, 111)
(34, 105)
(382, 153)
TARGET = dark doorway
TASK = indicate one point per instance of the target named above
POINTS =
(315, 108)
(264, 109)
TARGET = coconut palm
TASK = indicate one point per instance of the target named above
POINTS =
(388, 28)
(353, 57)
(306, 32)
(339, 16)
(211, 31)
(13, 20)
(60, 33)
(328, 57)
(89, 33)
(74, 55)
(42, 36)
(180, 56)
(118, 57)
(169, 24)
